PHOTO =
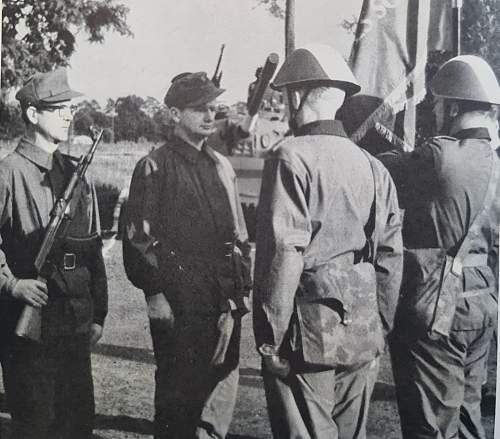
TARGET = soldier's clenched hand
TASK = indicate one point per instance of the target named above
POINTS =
(95, 333)
(159, 310)
(31, 291)
(277, 366)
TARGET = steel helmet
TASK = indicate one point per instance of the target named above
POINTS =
(466, 77)
(316, 65)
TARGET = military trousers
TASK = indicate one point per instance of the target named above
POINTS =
(49, 388)
(438, 383)
(193, 398)
(331, 404)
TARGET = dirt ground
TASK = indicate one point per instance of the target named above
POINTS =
(123, 367)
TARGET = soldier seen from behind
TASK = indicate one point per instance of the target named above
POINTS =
(329, 259)
(48, 384)
(186, 247)
(448, 310)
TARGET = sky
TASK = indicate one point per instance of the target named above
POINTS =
(174, 36)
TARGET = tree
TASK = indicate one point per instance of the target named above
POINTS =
(275, 7)
(40, 34)
(481, 30)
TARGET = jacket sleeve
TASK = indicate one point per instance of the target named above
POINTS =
(7, 279)
(414, 173)
(140, 241)
(493, 251)
(283, 232)
(99, 279)
(388, 249)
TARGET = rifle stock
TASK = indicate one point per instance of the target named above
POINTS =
(29, 325)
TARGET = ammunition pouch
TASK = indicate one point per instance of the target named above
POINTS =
(432, 285)
(336, 320)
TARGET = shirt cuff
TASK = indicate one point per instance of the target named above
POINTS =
(99, 319)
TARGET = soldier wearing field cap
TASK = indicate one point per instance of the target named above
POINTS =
(448, 311)
(48, 384)
(185, 246)
(329, 259)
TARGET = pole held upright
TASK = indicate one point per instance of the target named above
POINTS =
(457, 26)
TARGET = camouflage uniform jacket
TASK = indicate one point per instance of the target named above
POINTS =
(441, 186)
(316, 197)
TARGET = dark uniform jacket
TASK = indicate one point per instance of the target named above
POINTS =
(30, 182)
(317, 194)
(442, 186)
(184, 211)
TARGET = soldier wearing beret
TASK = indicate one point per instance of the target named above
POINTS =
(185, 246)
(48, 384)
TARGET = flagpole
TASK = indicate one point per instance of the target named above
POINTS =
(457, 26)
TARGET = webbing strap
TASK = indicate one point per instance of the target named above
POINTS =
(462, 254)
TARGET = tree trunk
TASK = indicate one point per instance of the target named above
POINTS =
(289, 27)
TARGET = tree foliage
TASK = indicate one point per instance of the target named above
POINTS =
(275, 7)
(481, 30)
(129, 118)
(40, 34)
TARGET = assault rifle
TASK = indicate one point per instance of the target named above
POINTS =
(30, 323)
(216, 78)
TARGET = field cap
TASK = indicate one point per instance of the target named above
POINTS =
(47, 88)
(191, 90)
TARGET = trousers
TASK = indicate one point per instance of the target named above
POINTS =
(193, 398)
(329, 404)
(49, 388)
(438, 384)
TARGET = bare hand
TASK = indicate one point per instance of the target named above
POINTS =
(95, 334)
(159, 310)
(31, 291)
(277, 366)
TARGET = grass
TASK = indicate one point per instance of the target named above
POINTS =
(113, 163)
(111, 169)
(123, 363)
(123, 369)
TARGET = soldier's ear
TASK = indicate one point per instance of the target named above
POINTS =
(31, 115)
(175, 114)
(454, 109)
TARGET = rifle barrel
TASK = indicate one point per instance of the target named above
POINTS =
(265, 78)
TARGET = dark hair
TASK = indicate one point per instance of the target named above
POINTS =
(24, 107)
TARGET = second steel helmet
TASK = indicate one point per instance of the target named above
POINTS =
(466, 77)
(316, 65)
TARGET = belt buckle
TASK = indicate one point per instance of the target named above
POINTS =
(69, 261)
(228, 249)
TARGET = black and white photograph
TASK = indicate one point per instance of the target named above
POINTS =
(249, 219)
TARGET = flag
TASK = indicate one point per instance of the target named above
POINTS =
(389, 56)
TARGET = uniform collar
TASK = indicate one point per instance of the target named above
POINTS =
(326, 127)
(190, 153)
(473, 133)
(35, 154)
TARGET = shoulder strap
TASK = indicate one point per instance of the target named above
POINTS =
(370, 224)
(471, 233)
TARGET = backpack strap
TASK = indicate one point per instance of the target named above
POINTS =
(461, 256)
(370, 224)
